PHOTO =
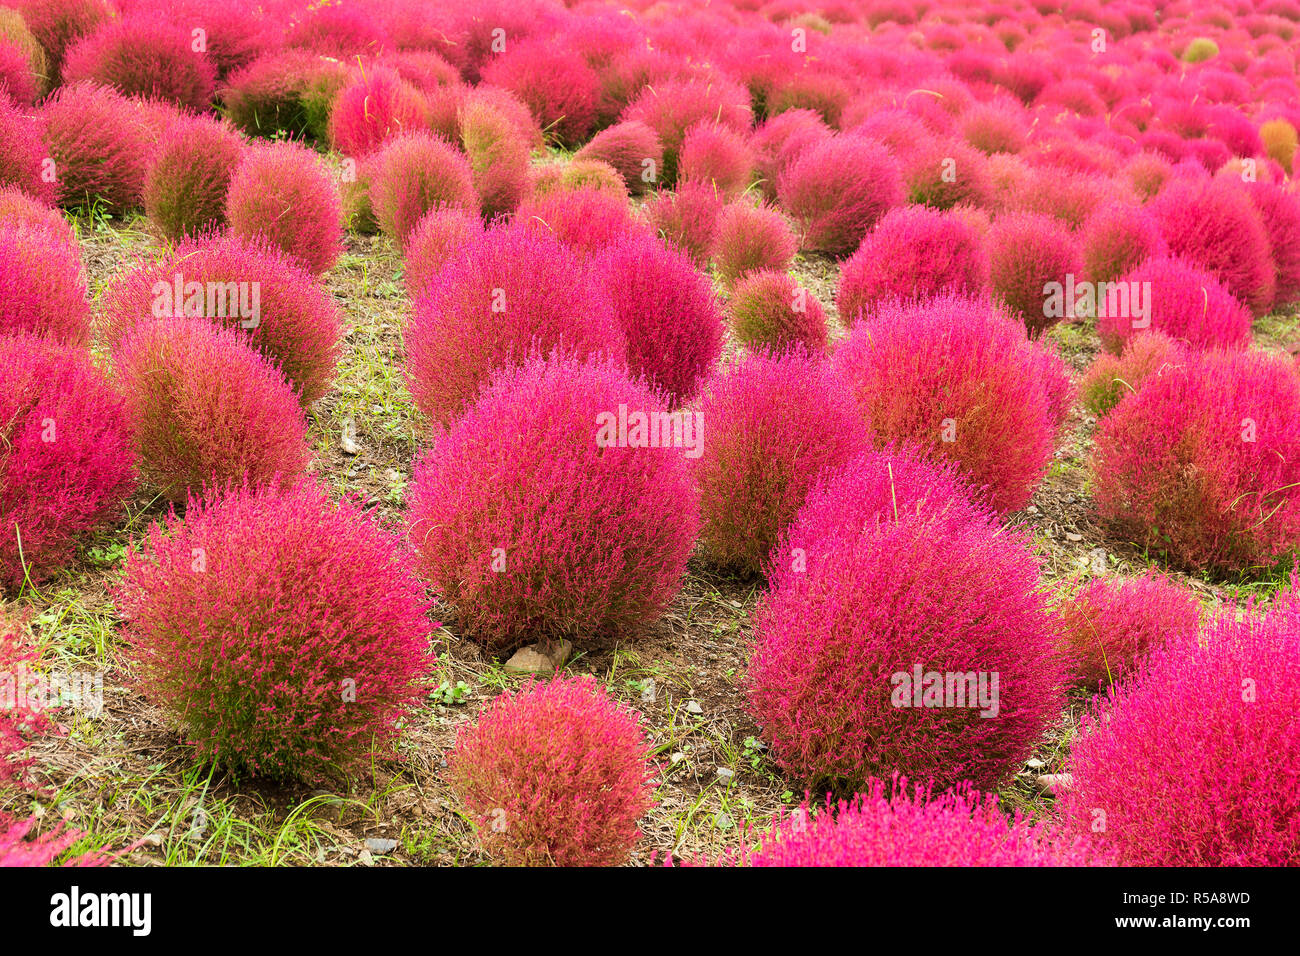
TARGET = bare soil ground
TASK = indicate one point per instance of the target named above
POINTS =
(124, 778)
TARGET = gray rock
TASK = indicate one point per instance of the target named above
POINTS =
(380, 845)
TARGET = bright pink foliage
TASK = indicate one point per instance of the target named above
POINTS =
(1182, 301)
(42, 284)
(413, 173)
(1027, 252)
(143, 56)
(372, 109)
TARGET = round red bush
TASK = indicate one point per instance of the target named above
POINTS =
(770, 311)
(686, 217)
(1027, 252)
(436, 240)
(672, 107)
(207, 409)
(774, 423)
(66, 459)
(1182, 301)
(1193, 763)
(889, 586)
(750, 238)
(1112, 624)
(1279, 211)
(42, 285)
(537, 516)
(1213, 224)
(276, 303)
(58, 24)
(373, 108)
(498, 157)
(558, 86)
(1203, 463)
(586, 220)
(142, 56)
(667, 312)
(837, 189)
(780, 140)
(186, 183)
(556, 774)
(1117, 238)
(508, 292)
(413, 173)
(282, 192)
(913, 253)
(249, 618)
(959, 377)
(716, 154)
(627, 147)
(23, 153)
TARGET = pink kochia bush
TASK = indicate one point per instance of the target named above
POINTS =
(1203, 463)
(837, 189)
(750, 238)
(372, 109)
(586, 219)
(555, 774)
(892, 824)
(143, 56)
(22, 154)
(960, 377)
(1213, 224)
(100, 143)
(435, 240)
(775, 422)
(717, 154)
(687, 217)
(414, 173)
(1109, 627)
(1182, 301)
(66, 456)
(557, 85)
(296, 324)
(913, 253)
(185, 185)
(1027, 252)
(286, 634)
(498, 157)
(509, 291)
(893, 600)
(549, 510)
(1194, 762)
(770, 311)
(42, 284)
(282, 192)
(1117, 238)
(206, 408)
(667, 311)
(627, 147)
(1110, 379)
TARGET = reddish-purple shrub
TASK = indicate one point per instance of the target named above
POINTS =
(101, 144)
(1110, 626)
(1279, 211)
(898, 825)
(484, 508)
(667, 312)
(913, 253)
(632, 148)
(1180, 300)
(57, 24)
(837, 189)
(770, 311)
(687, 217)
(143, 56)
(672, 107)
(235, 33)
(780, 140)
(718, 154)
(995, 127)
(22, 155)
(750, 238)
(943, 173)
(894, 602)
(1213, 224)
(1028, 252)
(958, 377)
(413, 173)
(557, 85)
(250, 618)
(1194, 762)
(186, 183)
(1111, 378)
(436, 240)
(509, 291)
(248, 285)
(42, 285)
(1203, 463)
(339, 30)
(283, 193)
(207, 409)
(556, 774)
(19, 208)
(18, 80)
(775, 422)
(1118, 237)
(373, 108)
(66, 459)
(498, 157)
(585, 220)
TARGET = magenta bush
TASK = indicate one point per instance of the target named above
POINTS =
(250, 618)
(1182, 301)
(556, 83)
(498, 157)
(892, 585)
(627, 147)
(1027, 252)
(716, 154)
(144, 56)
(509, 291)
(673, 106)
(1117, 238)
(413, 173)
(373, 108)
(42, 285)
(687, 217)
(556, 774)
(22, 154)
(750, 238)
(186, 182)
(283, 193)
(586, 220)
(1110, 379)
(437, 239)
(541, 515)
